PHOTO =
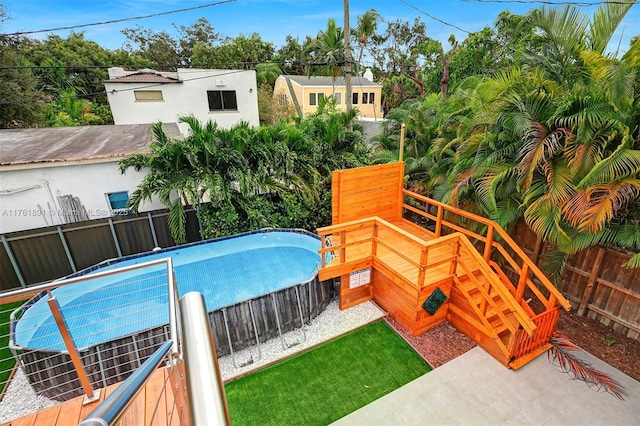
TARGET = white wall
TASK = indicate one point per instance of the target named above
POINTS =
(187, 98)
(89, 182)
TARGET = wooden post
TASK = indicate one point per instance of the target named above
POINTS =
(71, 348)
(439, 221)
(343, 250)
(488, 245)
(522, 282)
(374, 240)
(423, 266)
(456, 255)
(537, 250)
(591, 284)
(177, 376)
(323, 244)
(401, 155)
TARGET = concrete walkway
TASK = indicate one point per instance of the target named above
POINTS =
(474, 389)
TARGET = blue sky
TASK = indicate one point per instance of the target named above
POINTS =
(272, 19)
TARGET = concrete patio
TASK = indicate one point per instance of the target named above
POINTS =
(474, 389)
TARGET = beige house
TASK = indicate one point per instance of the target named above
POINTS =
(305, 93)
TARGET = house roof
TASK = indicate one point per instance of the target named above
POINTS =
(330, 81)
(82, 143)
(143, 77)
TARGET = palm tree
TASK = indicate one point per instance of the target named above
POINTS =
(367, 26)
(242, 177)
(69, 110)
(327, 51)
(566, 33)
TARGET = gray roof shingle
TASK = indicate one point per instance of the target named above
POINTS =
(316, 81)
(63, 144)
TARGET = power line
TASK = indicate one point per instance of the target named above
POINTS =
(151, 85)
(560, 3)
(435, 18)
(154, 67)
(135, 18)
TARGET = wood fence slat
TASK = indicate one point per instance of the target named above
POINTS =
(588, 291)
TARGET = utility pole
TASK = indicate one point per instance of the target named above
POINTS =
(347, 60)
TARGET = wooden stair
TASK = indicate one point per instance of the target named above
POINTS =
(497, 314)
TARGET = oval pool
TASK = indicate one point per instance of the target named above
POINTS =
(225, 272)
(255, 285)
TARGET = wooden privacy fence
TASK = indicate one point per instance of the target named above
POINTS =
(596, 283)
(44, 254)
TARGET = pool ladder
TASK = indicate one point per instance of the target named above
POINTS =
(251, 358)
(286, 345)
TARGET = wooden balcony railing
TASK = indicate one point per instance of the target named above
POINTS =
(369, 235)
(494, 252)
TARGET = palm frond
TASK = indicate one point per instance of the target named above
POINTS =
(623, 162)
(564, 354)
(605, 201)
(606, 20)
(634, 262)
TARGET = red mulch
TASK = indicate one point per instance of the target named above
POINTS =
(439, 345)
(444, 343)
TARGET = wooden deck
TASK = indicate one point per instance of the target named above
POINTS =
(360, 249)
(449, 272)
(153, 405)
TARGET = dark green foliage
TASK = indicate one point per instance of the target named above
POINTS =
(20, 98)
(553, 142)
(328, 382)
(246, 178)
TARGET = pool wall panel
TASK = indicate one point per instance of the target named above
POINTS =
(52, 374)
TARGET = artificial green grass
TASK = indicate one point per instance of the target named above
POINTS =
(7, 361)
(324, 384)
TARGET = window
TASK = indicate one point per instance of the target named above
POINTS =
(314, 98)
(338, 98)
(118, 202)
(148, 95)
(222, 100)
(355, 99)
(282, 100)
(369, 98)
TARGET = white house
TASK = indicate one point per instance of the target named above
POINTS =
(52, 176)
(147, 96)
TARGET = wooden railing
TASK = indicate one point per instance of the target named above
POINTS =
(350, 234)
(338, 238)
(494, 283)
(493, 249)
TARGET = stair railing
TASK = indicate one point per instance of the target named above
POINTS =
(495, 284)
(524, 268)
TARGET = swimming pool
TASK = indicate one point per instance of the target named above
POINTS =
(276, 270)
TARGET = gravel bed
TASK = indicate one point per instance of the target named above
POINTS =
(20, 399)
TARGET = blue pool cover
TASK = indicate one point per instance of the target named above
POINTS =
(226, 272)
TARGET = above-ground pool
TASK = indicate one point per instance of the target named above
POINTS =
(255, 286)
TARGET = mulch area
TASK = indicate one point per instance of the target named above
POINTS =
(439, 345)
(612, 347)
(443, 343)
